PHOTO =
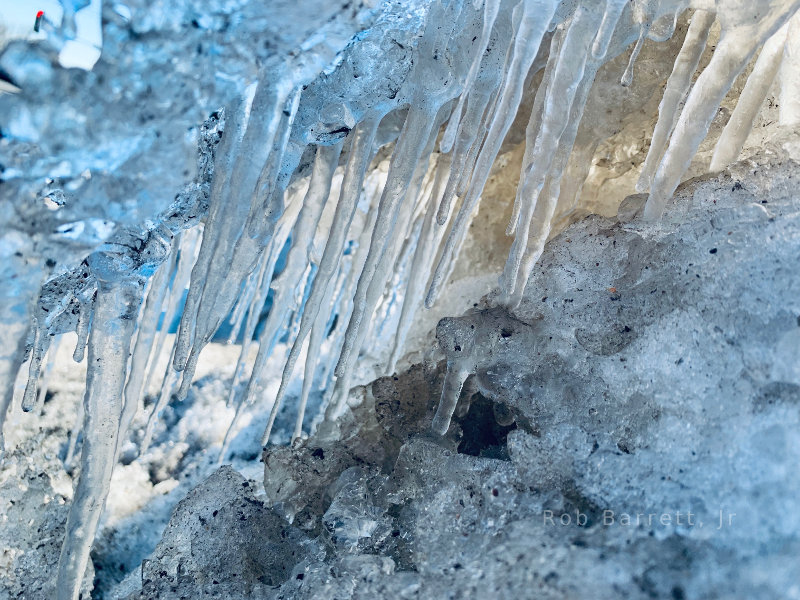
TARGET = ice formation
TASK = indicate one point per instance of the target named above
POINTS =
(296, 172)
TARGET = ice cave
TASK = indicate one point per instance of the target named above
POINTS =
(357, 299)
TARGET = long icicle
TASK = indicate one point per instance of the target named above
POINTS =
(41, 343)
(534, 22)
(239, 250)
(222, 216)
(677, 88)
(360, 153)
(408, 152)
(736, 46)
(109, 348)
(535, 121)
(566, 80)
(735, 134)
(189, 248)
(265, 273)
(288, 284)
(422, 263)
(491, 8)
(146, 331)
(610, 19)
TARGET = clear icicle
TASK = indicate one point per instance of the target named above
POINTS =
(225, 216)
(253, 315)
(41, 343)
(422, 263)
(109, 348)
(611, 17)
(490, 8)
(343, 307)
(268, 341)
(568, 73)
(50, 363)
(734, 50)
(239, 259)
(457, 373)
(360, 153)
(535, 120)
(409, 150)
(677, 88)
(189, 247)
(318, 332)
(170, 379)
(288, 285)
(376, 283)
(534, 22)
(465, 150)
(735, 134)
(82, 329)
(627, 76)
(146, 331)
(542, 217)
(243, 301)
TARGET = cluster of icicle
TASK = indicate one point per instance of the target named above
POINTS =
(365, 238)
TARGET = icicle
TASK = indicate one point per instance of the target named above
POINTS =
(491, 7)
(82, 329)
(535, 120)
(465, 151)
(245, 147)
(41, 343)
(288, 285)
(318, 332)
(789, 103)
(146, 331)
(424, 117)
(678, 86)
(735, 134)
(164, 396)
(253, 315)
(568, 74)
(542, 217)
(44, 385)
(249, 290)
(534, 22)
(408, 152)
(246, 397)
(458, 346)
(627, 76)
(224, 214)
(346, 287)
(381, 273)
(109, 347)
(736, 46)
(281, 306)
(607, 25)
(233, 265)
(189, 248)
(421, 265)
(360, 154)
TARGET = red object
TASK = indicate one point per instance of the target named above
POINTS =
(40, 14)
(38, 22)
